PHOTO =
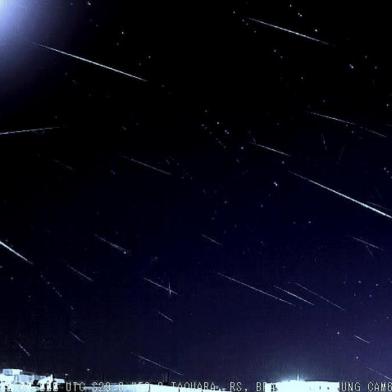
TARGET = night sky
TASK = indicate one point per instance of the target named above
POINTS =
(176, 222)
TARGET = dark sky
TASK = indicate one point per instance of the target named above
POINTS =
(162, 180)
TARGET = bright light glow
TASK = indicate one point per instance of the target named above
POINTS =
(303, 386)
(4, 14)
(26, 21)
(292, 386)
(11, 12)
(4, 4)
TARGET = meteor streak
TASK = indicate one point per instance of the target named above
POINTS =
(271, 149)
(157, 364)
(23, 349)
(81, 274)
(346, 122)
(320, 296)
(332, 118)
(63, 165)
(324, 142)
(147, 165)
(168, 289)
(380, 206)
(366, 243)
(379, 373)
(112, 244)
(4, 245)
(343, 195)
(76, 337)
(211, 240)
(294, 295)
(32, 130)
(166, 317)
(289, 31)
(361, 339)
(255, 289)
(91, 62)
